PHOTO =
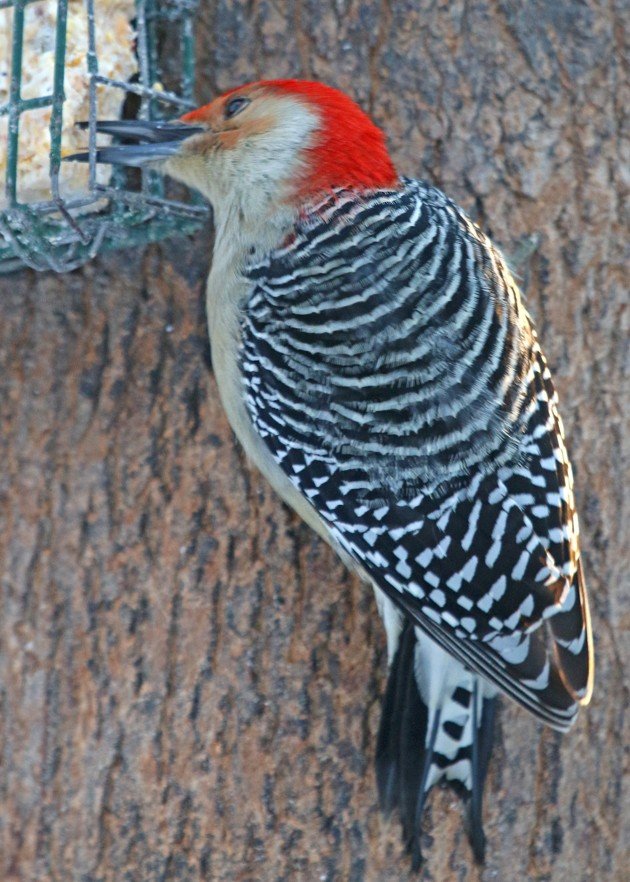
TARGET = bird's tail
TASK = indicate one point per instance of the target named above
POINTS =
(436, 724)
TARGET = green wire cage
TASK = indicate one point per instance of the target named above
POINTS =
(115, 208)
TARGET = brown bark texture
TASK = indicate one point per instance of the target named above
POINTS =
(190, 681)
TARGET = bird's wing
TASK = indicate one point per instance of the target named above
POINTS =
(475, 574)
(392, 373)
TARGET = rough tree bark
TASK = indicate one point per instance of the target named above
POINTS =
(190, 681)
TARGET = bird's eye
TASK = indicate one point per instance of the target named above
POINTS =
(234, 106)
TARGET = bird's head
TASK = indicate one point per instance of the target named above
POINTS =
(265, 145)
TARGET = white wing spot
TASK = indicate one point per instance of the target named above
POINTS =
(519, 570)
(424, 558)
(498, 589)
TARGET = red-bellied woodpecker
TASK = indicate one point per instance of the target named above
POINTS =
(377, 364)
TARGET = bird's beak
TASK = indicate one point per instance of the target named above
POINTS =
(149, 141)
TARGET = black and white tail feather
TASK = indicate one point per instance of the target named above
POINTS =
(436, 725)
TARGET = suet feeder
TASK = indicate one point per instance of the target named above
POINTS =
(60, 59)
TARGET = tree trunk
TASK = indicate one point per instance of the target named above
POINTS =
(190, 681)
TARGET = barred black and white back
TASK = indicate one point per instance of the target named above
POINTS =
(393, 373)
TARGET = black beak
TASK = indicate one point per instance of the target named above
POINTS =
(149, 141)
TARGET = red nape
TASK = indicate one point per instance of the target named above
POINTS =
(349, 149)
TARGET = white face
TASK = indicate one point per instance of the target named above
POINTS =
(247, 164)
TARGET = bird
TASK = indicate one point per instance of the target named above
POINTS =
(377, 364)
